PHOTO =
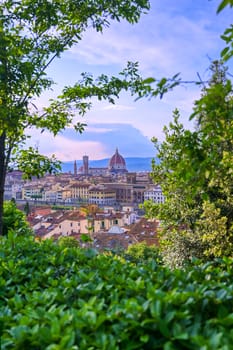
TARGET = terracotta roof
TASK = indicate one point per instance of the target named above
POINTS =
(145, 230)
(105, 240)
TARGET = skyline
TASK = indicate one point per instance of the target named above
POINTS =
(173, 37)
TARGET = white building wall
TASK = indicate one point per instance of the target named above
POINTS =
(67, 227)
(155, 194)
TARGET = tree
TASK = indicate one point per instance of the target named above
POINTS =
(26, 209)
(195, 172)
(33, 34)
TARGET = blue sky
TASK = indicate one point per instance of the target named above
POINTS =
(175, 36)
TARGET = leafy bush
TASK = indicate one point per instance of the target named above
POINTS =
(53, 297)
(69, 242)
(14, 220)
(142, 252)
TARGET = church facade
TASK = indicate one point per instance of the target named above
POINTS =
(116, 165)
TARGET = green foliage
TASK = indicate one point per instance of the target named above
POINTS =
(85, 238)
(195, 172)
(223, 4)
(14, 220)
(213, 232)
(142, 252)
(32, 163)
(26, 209)
(53, 297)
(227, 36)
(68, 242)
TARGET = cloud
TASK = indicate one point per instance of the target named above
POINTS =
(116, 48)
(98, 130)
(97, 145)
(64, 147)
(126, 137)
(72, 150)
(176, 36)
(117, 107)
(168, 39)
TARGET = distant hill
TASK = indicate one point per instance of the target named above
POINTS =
(132, 163)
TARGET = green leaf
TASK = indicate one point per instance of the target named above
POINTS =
(216, 340)
(223, 4)
(85, 238)
(144, 338)
(178, 332)
(225, 51)
(148, 81)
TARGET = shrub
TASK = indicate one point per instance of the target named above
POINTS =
(142, 252)
(14, 220)
(68, 242)
(52, 297)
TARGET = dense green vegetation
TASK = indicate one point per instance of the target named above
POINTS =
(54, 297)
(195, 173)
(14, 220)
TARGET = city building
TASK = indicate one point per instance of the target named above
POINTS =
(110, 186)
(79, 191)
(154, 194)
(101, 195)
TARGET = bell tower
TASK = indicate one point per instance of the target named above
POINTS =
(85, 165)
(75, 168)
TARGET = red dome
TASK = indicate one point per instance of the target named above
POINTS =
(117, 162)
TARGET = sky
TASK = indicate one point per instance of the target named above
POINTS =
(181, 36)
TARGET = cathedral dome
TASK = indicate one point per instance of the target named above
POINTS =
(117, 163)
